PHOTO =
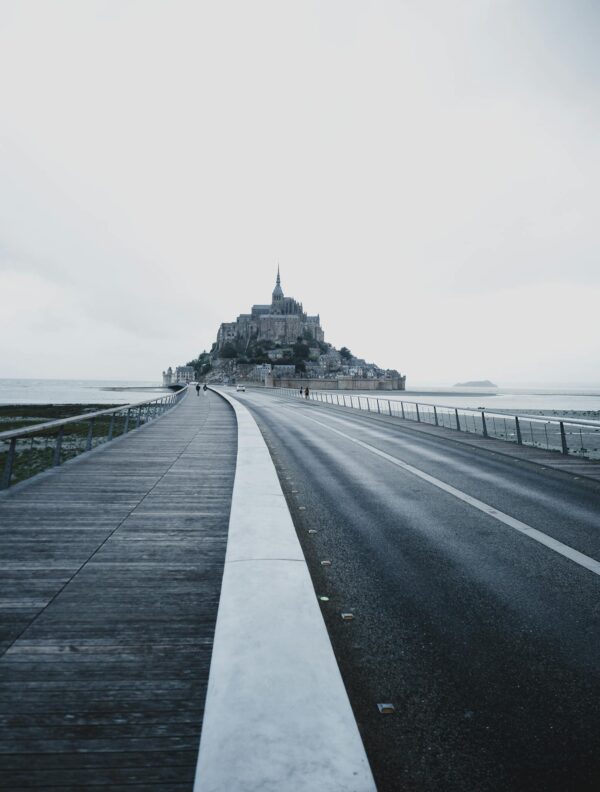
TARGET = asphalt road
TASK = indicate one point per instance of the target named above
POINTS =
(483, 639)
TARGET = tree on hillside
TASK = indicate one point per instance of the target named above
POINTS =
(301, 351)
(228, 351)
(201, 365)
(345, 353)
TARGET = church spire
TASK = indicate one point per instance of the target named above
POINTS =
(277, 291)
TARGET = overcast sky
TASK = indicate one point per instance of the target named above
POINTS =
(427, 174)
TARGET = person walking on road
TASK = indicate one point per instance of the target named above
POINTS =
(205, 389)
(306, 392)
(197, 389)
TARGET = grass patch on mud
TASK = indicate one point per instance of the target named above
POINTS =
(37, 452)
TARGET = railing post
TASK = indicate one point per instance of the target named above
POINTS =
(8, 464)
(111, 427)
(518, 428)
(90, 435)
(435, 415)
(389, 406)
(139, 418)
(402, 408)
(484, 424)
(126, 425)
(58, 447)
(418, 414)
(457, 420)
(563, 438)
(378, 408)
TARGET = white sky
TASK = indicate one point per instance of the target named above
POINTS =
(426, 173)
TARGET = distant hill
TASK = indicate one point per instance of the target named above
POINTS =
(476, 384)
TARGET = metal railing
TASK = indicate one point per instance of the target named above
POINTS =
(573, 436)
(28, 451)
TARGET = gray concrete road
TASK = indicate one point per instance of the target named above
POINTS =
(484, 638)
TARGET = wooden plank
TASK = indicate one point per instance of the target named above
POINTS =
(111, 573)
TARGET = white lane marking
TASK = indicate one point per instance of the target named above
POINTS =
(512, 522)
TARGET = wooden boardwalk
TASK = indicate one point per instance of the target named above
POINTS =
(110, 574)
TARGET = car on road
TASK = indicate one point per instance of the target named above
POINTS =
(241, 388)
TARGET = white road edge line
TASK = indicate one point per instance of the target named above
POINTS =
(277, 716)
(538, 536)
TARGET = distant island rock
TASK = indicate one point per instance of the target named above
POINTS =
(476, 384)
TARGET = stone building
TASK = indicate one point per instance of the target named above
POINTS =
(180, 375)
(184, 374)
(281, 322)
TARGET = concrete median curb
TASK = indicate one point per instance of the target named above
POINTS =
(277, 716)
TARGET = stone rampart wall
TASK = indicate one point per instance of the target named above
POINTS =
(344, 383)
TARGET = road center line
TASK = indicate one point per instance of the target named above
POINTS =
(532, 533)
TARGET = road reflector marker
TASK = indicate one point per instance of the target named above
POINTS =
(312, 531)
(386, 709)
(347, 616)
(323, 598)
(302, 508)
(325, 563)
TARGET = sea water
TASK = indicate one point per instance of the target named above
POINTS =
(547, 400)
(49, 391)
(543, 399)
(514, 399)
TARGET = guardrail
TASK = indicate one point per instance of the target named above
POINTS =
(572, 436)
(31, 450)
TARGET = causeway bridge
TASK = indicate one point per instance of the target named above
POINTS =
(258, 591)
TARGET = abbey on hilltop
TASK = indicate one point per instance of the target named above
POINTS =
(282, 322)
(279, 345)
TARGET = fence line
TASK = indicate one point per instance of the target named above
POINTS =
(30, 450)
(571, 436)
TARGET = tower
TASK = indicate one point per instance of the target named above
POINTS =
(277, 303)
